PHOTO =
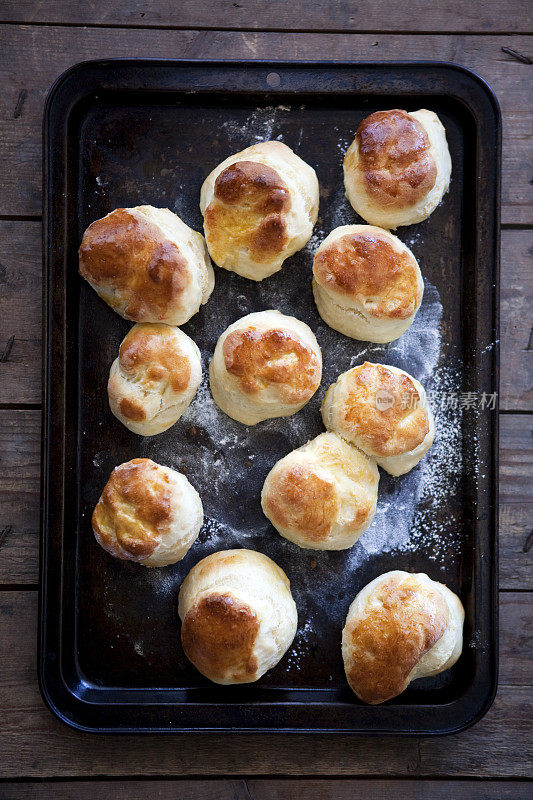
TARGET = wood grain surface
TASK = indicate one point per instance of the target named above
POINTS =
(277, 15)
(40, 40)
(35, 56)
(32, 739)
(265, 789)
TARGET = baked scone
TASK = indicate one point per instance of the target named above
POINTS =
(397, 169)
(147, 265)
(400, 627)
(238, 616)
(147, 513)
(367, 284)
(323, 495)
(383, 411)
(259, 207)
(154, 378)
(265, 365)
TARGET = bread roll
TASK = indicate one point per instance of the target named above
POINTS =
(259, 207)
(383, 411)
(265, 365)
(154, 378)
(147, 265)
(323, 495)
(238, 616)
(397, 169)
(400, 627)
(367, 283)
(147, 513)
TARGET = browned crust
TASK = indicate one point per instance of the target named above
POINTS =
(151, 355)
(134, 510)
(366, 266)
(299, 500)
(218, 635)
(394, 158)
(387, 642)
(131, 409)
(366, 411)
(248, 210)
(260, 359)
(127, 253)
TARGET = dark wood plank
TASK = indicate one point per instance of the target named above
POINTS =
(516, 638)
(19, 498)
(20, 434)
(516, 546)
(20, 312)
(35, 56)
(268, 789)
(516, 331)
(516, 501)
(322, 15)
(262, 789)
(33, 743)
(516, 458)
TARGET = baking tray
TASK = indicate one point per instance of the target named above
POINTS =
(122, 133)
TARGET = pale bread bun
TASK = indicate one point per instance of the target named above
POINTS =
(323, 495)
(147, 513)
(367, 284)
(154, 378)
(400, 627)
(398, 168)
(383, 411)
(238, 616)
(259, 207)
(147, 265)
(265, 365)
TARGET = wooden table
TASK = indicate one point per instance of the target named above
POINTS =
(37, 42)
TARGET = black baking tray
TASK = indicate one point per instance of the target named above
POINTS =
(126, 132)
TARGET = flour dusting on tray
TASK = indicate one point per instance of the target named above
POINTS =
(417, 525)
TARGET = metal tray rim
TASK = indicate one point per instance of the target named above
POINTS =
(53, 695)
(124, 60)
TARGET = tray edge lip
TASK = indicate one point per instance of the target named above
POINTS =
(450, 66)
(43, 678)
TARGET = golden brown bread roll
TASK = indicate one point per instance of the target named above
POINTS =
(265, 365)
(367, 283)
(383, 411)
(147, 513)
(259, 207)
(400, 627)
(238, 616)
(323, 495)
(147, 265)
(154, 378)
(397, 169)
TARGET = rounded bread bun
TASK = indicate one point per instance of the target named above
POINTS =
(259, 207)
(323, 495)
(367, 284)
(383, 411)
(238, 616)
(400, 627)
(265, 365)
(147, 513)
(398, 167)
(154, 378)
(147, 265)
